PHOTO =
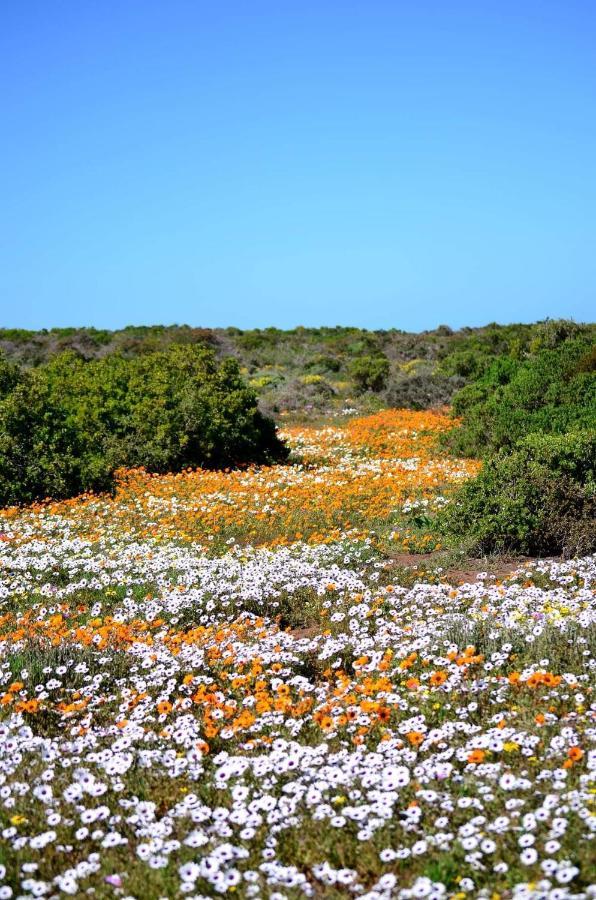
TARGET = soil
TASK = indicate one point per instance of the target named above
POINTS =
(300, 633)
(465, 571)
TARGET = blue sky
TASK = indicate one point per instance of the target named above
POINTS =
(383, 164)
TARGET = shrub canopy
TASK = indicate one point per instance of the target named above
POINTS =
(66, 426)
(538, 499)
(551, 392)
(369, 373)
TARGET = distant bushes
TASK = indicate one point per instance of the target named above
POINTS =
(309, 393)
(67, 425)
(323, 364)
(426, 390)
(538, 499)
(363, 368)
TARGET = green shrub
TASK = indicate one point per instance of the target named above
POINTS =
(66, 426)
(40, 450)
(468, 364)
(369, 373)
(299, 394)
(10, 375)
(553, 392)
(323, 363)
(539, 499)
(465, 355)
(553, 332)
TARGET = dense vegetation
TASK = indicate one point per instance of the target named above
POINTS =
(306, 371)
(534, 421)
(551, 392)
(538, 499)
(66, 426)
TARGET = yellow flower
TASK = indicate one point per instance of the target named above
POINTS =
(510, 747)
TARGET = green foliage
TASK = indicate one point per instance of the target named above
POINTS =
(300, 395)
(465, 363)
(534, 421)
(552, 392)
(9, 376)
(369, 373)
(66, 426)
(39, 448)
(539, 499)
(323, 363)
(554, 332)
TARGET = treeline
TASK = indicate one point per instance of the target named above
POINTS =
(67, 426)
(312, 370)
(533, 420)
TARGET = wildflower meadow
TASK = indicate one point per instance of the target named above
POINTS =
(224, 682)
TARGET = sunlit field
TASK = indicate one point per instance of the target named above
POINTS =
(223, 682)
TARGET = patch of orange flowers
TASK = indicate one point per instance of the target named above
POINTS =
(369, 468)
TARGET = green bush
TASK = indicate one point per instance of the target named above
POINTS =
(369, 373)
(454, 358)
(539, 499)
(553, 332)
(552, 392)
(323, 363)
(10, 375)
(66, 426)
(469, 364)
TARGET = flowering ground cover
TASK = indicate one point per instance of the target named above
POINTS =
(342, 481)
(210, 684)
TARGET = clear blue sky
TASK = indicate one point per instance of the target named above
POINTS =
(295, 162)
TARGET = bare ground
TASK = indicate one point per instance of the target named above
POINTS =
(464, 571)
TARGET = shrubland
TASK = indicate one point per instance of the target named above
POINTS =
(359, 369)
(552, 391)
(537, 499)
(82, 404)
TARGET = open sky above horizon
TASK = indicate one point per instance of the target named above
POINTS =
(382, 164)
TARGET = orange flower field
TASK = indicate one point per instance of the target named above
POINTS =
(345, 480)
(219, 683)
